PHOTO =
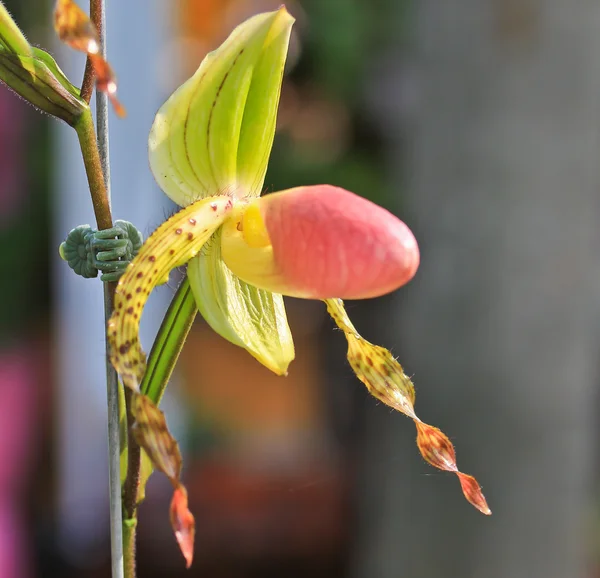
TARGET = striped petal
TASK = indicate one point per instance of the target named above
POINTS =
(241, 313)
(215, 133)
(319, 242)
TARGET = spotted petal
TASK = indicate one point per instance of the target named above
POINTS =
(173, 244)
(215, 133)
(241, 313)
(385, 379)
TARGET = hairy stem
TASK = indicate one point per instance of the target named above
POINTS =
(129, 528)
(130, 494)
(93, 168)
(87, 84)
(132, 481)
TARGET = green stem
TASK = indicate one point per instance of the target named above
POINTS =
(93, 168)
(129, 531)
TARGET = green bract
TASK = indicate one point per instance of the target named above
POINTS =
(34, 75)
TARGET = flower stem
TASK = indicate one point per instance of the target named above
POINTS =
(96, 161)
(93, 168)
(129, 528)
(89, 76)
(130, 492)
(117, 526)
(92, 160)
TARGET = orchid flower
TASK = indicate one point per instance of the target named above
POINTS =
(209, 147)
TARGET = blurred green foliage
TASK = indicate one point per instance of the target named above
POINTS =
(25, 233)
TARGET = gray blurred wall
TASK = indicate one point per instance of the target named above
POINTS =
(500, 327)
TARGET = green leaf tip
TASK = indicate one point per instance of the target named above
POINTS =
(11, 37)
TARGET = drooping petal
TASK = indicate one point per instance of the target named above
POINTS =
(319, 242)
(385, 379)
(183, 523)
(153, 436)
(215, 132)
(249, 317)
(174, 243)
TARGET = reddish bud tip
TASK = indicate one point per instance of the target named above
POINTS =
(183, 524)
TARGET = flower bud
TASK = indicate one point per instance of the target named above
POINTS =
(39, 80)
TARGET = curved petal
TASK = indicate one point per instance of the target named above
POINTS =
(174, 243)
(244, 315)
(319, 242)
(215, 133)
(386, 381)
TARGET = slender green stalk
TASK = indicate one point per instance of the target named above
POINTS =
(129, 532)
(161, 361)
(169, 342)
